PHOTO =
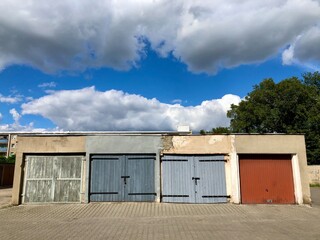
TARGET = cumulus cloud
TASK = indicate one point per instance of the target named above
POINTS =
(9, 99)
(207, 35)
(88, 109)
(16, 126)
(12, 127)
(304, 50)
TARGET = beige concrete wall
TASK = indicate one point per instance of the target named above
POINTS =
(206, 144)
(314, 174)
(285, 144)
(42, 145)
(270, 144)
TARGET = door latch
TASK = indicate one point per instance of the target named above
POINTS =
(125, 179)
(195, 179)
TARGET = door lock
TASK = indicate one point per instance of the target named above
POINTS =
(195, 179)
(125, 179)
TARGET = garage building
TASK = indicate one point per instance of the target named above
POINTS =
(160, 167)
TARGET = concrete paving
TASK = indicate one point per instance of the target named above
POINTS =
(315, 196)
(140, 221)
(5, 197)
(158, 221)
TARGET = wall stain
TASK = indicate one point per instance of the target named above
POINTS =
(167, 143)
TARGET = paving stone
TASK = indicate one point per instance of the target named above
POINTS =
(159, 221)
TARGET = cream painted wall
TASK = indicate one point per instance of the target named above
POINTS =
(206, 144)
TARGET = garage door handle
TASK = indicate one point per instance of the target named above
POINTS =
(195, 179)
(125, 179)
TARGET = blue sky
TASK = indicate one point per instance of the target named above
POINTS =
(129, 69)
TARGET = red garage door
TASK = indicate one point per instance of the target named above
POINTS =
(266, 178)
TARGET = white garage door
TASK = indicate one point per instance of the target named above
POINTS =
(52, 179)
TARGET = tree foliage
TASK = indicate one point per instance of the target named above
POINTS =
(217, 130)
(290, 106)
(10, 159)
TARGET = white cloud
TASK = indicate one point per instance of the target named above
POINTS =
(288, 56)
(12, 127)
(305, 50)
(47, 85)
(206, 35)
(9, 99)
(15, 115)
(16, 126)
(88, 109)
(4, 127)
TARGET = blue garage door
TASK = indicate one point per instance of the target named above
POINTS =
(193, 179)
(122, 178)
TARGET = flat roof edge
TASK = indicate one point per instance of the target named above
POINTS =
(93, 133)
(136, 133)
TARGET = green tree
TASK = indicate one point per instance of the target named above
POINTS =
(203, 132)
(290, 106)
(10, 159)
(217, 130)
(312, 81)
(220, 130)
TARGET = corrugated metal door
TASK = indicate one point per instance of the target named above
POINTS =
(266, 179)
(122, 178)
(193, 179)
(52, 179)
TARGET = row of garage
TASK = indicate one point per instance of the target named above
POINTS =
(191, 169)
